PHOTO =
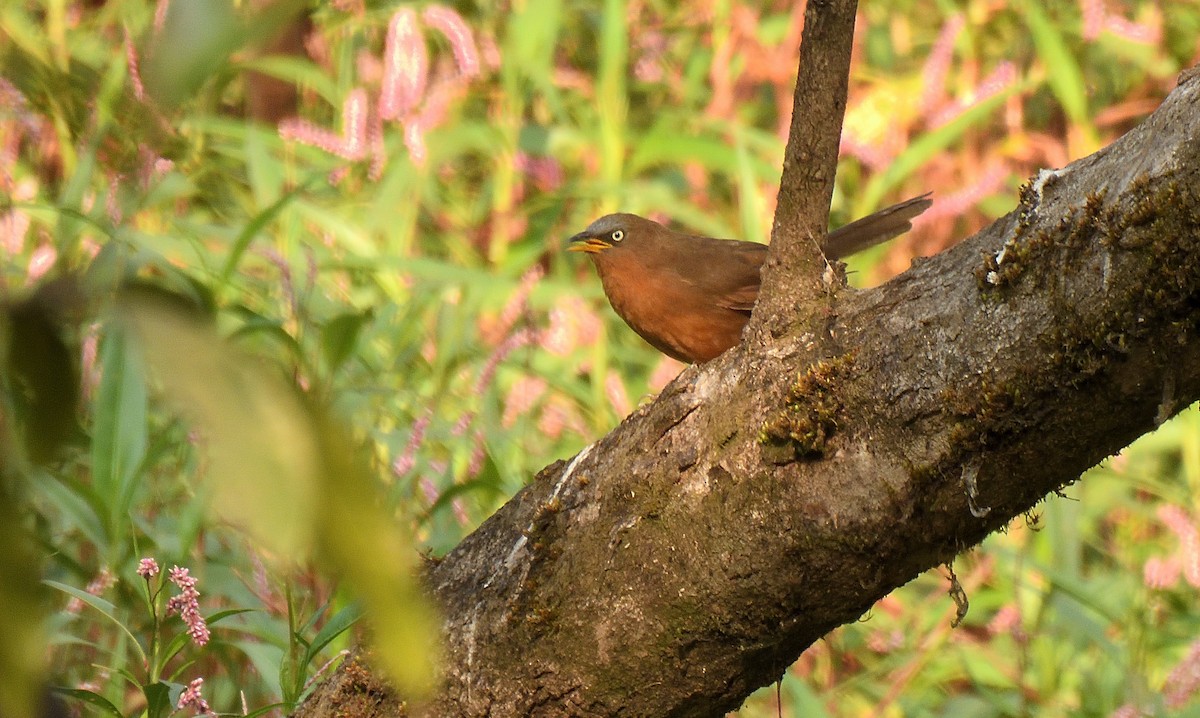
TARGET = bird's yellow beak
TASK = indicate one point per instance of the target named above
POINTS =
(590, 245)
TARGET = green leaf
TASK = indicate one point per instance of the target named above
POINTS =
(93, 699)
(666, 145)
(265, 710)
(71, 499)
(119, 431)
(339, 337)
(1064, 75)
(222, 615)
(195, 41)
(334, 627)
(101, 605)
(159, 699)
(251, 230)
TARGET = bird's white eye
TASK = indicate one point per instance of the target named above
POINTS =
(617, 235)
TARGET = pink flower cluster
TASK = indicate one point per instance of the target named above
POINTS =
(147, 568)
(187, 605)
(191, 698)
(405, 95)
(1164, 572)
(1096, 19)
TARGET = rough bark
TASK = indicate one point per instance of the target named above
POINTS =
(771, 495)
(809, 165)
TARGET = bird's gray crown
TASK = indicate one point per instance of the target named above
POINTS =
(610, 222)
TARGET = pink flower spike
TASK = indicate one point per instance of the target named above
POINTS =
(41, 261)
(618, 397)
(354, 142)
(408, 458)
(135, 73)
(160, 14)
(456, 30)
(187, 605)
(1092, 13)
(414, 140)
(1184, 680)
(933, 76)
(1161, 573)
(1133, 31)
(147, 568)
(191, 698)
(354, 125)
(406, 66)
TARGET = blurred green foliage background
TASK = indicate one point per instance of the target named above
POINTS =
(367, 202)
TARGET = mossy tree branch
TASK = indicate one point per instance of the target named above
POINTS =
(775, 493)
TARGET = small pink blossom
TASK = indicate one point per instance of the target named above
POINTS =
(546, 172)
(516, 305)
(187, 605)
(885, 641)
(414, 140)
(89, 368)
(520, 338)
(1182, 525)
(460, 512)
(955, 204)
(1092, 12)
(456, 30)
(1134, 31)
(408, 458)
(933, 75)
(464, 422)
(1183, 680)
(191, 698)
(618, 397)
(41, 261)
(112, 204)
(572, 324)
(489, 50)
(1160, 573)
(521, 397)
(1006, 621)
(134, 68)
(429, 490)
(1003, 77)
(147, 568)
(406, 66)
(666, 370)
(559, 415)
(478, 455)
(352, 144)
(161, 8)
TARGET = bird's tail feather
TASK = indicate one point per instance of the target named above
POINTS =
(874, 228)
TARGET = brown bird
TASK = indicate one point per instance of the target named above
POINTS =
(691, 296)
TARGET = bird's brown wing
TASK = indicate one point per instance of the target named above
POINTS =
(874, 228)
(726, 271)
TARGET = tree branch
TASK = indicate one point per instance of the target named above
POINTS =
(769, 496)
(792, 285)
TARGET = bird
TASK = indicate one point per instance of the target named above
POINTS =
(690, 296)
